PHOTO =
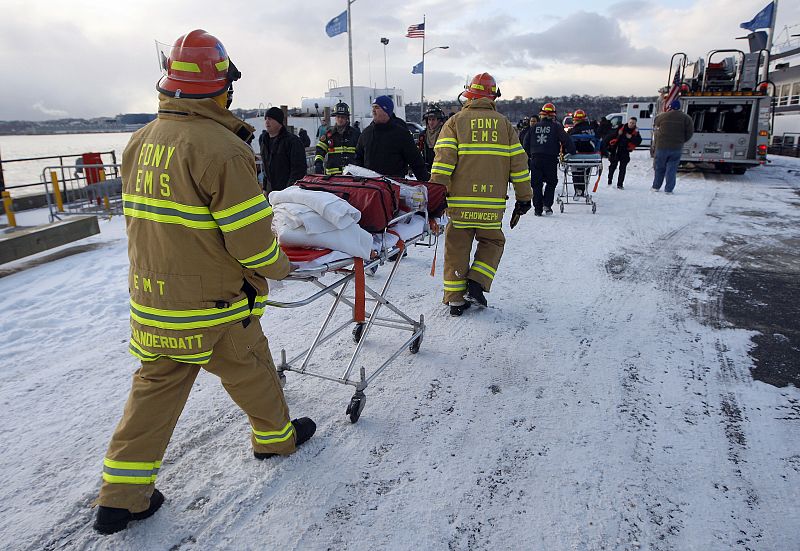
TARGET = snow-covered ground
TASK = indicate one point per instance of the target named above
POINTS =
(601, 402)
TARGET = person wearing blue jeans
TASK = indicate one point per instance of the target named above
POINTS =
(666, 164)
(671, 130)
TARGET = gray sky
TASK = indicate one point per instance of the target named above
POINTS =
(87, 58)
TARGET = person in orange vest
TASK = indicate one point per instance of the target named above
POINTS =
(201, 248)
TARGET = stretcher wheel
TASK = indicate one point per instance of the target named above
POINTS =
(356, 406)
(282, 379)
(561, 207)
(415, 344)
(594, 208)
(358, 330)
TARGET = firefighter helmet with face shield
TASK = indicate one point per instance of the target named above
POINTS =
(482, 86)
(548, 110)
(195, 66)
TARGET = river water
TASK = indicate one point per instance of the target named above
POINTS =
(28, 172)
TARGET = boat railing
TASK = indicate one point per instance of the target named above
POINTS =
(92, 189)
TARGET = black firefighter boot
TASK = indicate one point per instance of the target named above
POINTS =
(475, 293)
(113, 519)
(457, 309)
(304, 429)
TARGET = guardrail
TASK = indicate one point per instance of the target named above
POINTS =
(88, 192)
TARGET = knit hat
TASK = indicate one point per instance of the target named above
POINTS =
(276, 114)
(385, 103)
(675, 105)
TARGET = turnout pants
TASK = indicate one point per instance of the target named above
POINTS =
(242, 361)
(544, 170)
(457, 267)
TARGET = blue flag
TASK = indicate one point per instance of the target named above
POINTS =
(762, 20)
(337, 25)
(417, 69)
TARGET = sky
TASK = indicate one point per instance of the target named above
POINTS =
(87, 58)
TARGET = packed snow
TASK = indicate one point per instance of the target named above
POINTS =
(601, 402)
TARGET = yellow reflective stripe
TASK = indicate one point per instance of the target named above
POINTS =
(189, 319)
(323, 145)
(477, 225)
(186, 66)
(137, 350)
(476, 202)
(318, 158)
(168, 212)
(343, 149)
(130, 472)
(333, 171)
(525, 172)
(259, 305)
(222, 65)
(442, 168)
(518, 150)
(243, 214)
(455, 285)
(484, 269)
(274, 436)
(264, 258)
(451, 143)
(477, 86)
(496, 200)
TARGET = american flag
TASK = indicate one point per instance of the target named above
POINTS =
(416, 31)
(672, 95)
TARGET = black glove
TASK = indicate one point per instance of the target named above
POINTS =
(522, 207)
(318, 168)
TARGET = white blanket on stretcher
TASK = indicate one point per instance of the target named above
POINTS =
(304, 218)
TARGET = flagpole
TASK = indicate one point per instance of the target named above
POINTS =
(350, 55)
(772, 25)
(422, 91)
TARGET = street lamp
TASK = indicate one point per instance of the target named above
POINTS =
(422, 91)
(385, 41)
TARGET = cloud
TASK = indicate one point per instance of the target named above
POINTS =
(55, 113)
(584, 38)
(629, 10)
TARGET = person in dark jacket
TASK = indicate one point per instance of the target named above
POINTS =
(602, 131)
(621, 142)
(304, 137)
(386, 145)
(544, 141)
(434, 120)
(582, 127)
(283, 157)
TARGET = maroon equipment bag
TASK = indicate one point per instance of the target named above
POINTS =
(376, 198)
(437, 195)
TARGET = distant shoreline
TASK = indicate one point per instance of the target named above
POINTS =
(74, 131)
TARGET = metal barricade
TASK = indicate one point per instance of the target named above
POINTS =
(97, 194)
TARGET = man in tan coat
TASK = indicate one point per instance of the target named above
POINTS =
(477, 154)
(200, 247)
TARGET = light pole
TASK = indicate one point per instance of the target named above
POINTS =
(422, 92)
(385, 42)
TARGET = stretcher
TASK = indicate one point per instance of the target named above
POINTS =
(360, 307)
(584, 166)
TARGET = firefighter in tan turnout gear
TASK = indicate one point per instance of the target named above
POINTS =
(477, 154)
(200, 248)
